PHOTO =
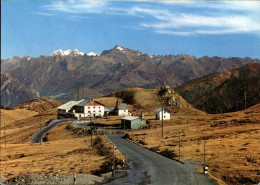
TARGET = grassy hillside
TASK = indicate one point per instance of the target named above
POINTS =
(63, 152)
(39, 104)
(140, 99)
(232, 140)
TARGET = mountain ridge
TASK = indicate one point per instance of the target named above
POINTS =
(224, 91)
(112, 70)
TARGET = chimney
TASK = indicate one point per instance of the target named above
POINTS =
(142, 115)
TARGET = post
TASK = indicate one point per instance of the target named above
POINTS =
(74, 178)
(245, 100)
(204, 155)
(40, 125)
(179, 146)
(78, 91)
(113, 167)
(125, 148)
(90, 129)
(162, 121)
(83, 91)
(5, 134)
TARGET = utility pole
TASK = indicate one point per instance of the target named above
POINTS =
(90, 129)
(113, 167)
(5, 134)
(204, 155)
(162, 121)
(179, 146)
(125, 149)
(78, 91)
(245, 100)
(83, 89)
(40, 125)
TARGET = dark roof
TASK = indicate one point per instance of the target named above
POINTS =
(122, 106)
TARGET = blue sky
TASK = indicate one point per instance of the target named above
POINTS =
(222, 28)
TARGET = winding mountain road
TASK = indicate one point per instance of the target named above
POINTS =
(158, 169)
(54, 123)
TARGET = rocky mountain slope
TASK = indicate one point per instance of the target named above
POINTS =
(118, 68)
(225, 91)
(13, 91)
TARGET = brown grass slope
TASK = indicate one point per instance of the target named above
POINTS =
(140, 99)
(64, 151)
(39, 104)
(224, 92)
(232, 142)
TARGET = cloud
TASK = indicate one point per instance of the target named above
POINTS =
(77, 7)
(44, 13)
(185, 18)
(176, 22)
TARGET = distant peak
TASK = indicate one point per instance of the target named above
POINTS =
(67, 52)
(120, 48)
(93, 54)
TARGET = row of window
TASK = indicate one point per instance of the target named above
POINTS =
(94, 107)
(94, 111)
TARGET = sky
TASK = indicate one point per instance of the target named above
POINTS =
(198, 28)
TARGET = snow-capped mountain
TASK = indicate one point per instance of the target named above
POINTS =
(93, 54)
(120, 48)
(67, 52)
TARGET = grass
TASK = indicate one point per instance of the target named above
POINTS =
(64, 152)
(231, 146)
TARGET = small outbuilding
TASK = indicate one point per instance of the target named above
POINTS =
(130, 122)
(162, 112)
(121, 109)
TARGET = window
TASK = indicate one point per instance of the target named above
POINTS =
(94, 107)
(100, 111)
(88, 107)
(88, 111)
(93, 111)
(99, 107)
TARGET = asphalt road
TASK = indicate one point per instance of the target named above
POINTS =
(157, 169)
(39, 135)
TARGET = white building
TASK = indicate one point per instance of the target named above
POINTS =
(64, 110)
(163, 112)
(121, 109)
(81, 109)
(89, 108)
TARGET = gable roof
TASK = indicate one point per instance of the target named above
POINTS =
(160, 109)
(89, 103)
(121, 106)
(69, 105)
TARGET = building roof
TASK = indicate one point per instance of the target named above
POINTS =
(130, 118)
(89, 102)
(69, 105)
(160, 109)
(121, 106)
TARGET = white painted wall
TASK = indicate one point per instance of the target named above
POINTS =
(122, 112)
(94, 111)
(166, 115)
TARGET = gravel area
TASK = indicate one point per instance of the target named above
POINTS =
(49, 179)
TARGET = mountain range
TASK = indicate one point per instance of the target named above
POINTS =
(60, 75)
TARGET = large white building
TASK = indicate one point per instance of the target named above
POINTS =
(81, 109)
(162, 112)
